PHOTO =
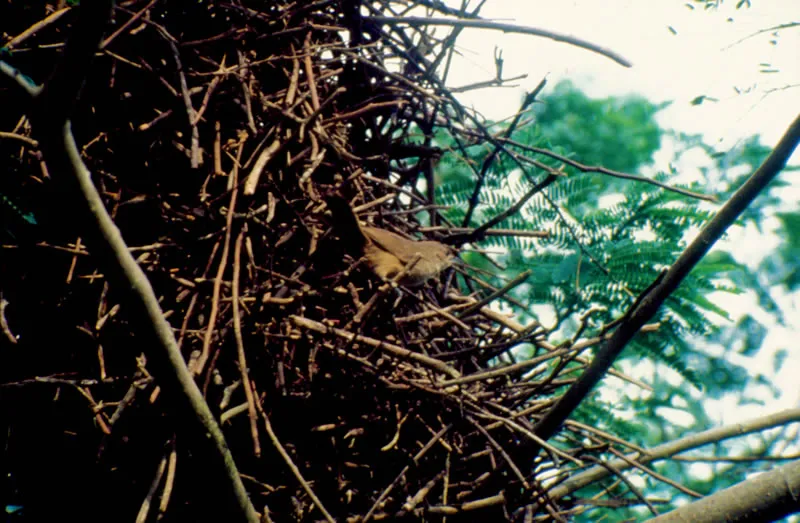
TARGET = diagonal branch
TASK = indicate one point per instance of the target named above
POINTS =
(639, 314)
(767, 497)
(478, 233)
(51, 110)
(506, 28)
(487, 162)
(603, 170)
(668, 450)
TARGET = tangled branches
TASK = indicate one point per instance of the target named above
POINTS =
(213, 132)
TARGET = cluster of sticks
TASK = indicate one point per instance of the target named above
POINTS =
(213, 132)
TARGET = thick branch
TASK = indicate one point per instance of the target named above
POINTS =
(52, 109)
(767, 497)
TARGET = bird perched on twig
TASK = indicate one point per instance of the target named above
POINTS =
(388, 254)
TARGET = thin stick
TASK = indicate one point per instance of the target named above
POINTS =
(263, 159)
(400, 352)
(169, 482)
(499, 292)
(506, 28)
(496, 372)
(490, 232)
(223, 263)
(616, 174)
(288, 460)
(27, 33)
(237, 331)
(4, 322)
(418, 456)
(649, 471)
(312, 84)
(501, 450)
(127, 24)
(194, 157)
(144, 509)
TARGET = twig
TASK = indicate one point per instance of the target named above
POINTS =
(419, 497)
(4, 322)
(477, 233)
(666, 450)
(223, 263)
(518, 280)
(365, 109)
(631, 487)
(576, 425)
(506, 28)
(771, 29)
(504, 370)
(190, 112)
(246, 81)
(237, 331)
(487, 162)
(436, 311)
(649, 471)
(494, 82)
(450, 510)
(501, 450)
(400, 352)
(127, 24)
(263, 159)
(469, 231)
(616, 174)
(144, 509)
(27, 33)
(212, 86)
(169, 482)
(530, 435)
(24, 139)
(288, 460)
(312, 84)
(414, 461)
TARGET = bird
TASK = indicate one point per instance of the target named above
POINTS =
(387, 253)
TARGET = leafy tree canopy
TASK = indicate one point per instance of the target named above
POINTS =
(609, 239)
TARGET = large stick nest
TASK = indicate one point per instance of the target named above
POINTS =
(214, 132)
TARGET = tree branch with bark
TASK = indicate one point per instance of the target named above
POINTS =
(51, 108)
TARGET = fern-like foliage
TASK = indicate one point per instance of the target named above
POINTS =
(608, 240)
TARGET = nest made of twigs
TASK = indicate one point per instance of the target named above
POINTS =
(212, 131)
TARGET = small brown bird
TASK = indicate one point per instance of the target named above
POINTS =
(388, 253)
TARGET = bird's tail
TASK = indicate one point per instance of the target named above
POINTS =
(345, 224)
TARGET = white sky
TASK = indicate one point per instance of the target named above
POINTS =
(665, 66)
(701, 59)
